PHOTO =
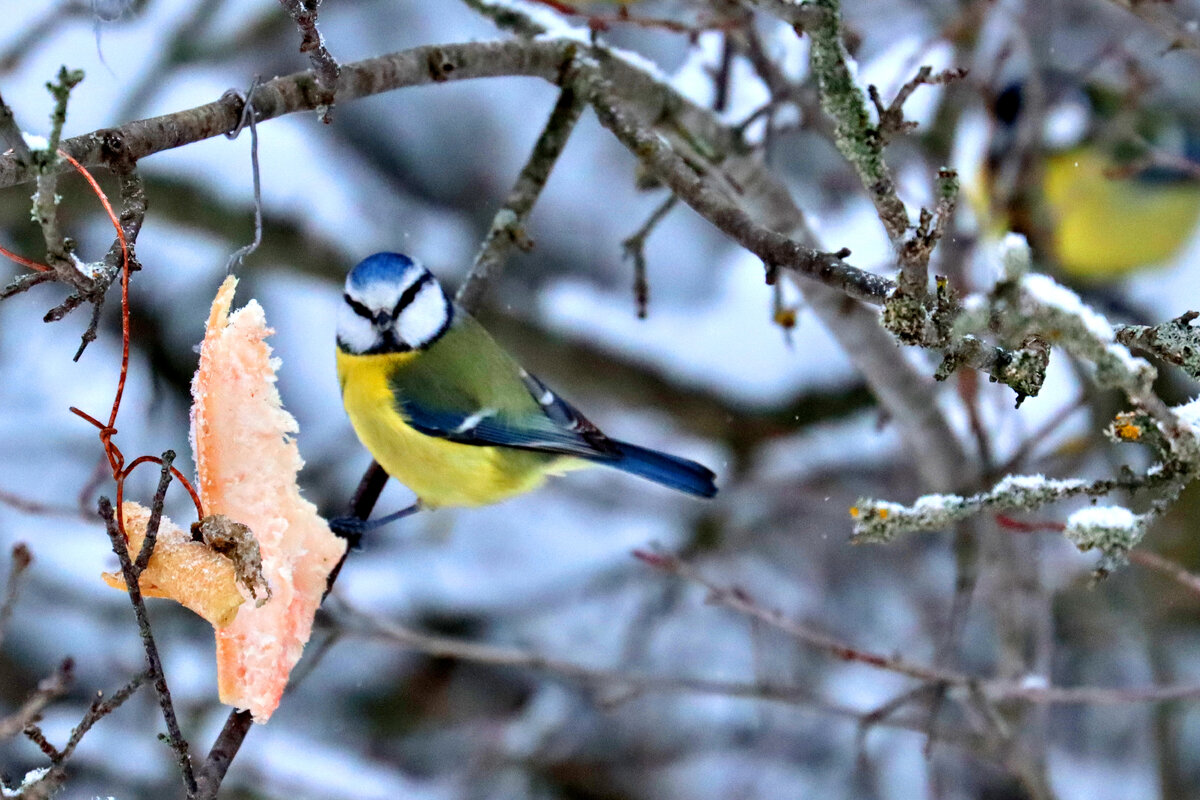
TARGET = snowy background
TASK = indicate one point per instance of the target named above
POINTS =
(782, 417)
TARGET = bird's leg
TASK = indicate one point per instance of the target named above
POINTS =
(352, 529)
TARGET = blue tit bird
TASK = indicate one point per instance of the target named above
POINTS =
(1116, 194)
(446, 411)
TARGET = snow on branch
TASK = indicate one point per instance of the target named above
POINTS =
(1025, 306)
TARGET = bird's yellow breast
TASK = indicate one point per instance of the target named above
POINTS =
(440, 472)
(1107, 226)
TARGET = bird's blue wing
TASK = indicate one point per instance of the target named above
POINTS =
(466, 389)
(489, 426)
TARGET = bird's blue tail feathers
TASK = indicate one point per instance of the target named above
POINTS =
(670, 471)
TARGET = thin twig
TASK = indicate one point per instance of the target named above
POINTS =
(37, 508)
(447, 647)
(46, 200)
(48, 690)
(160, 497)
(34, 733)
(738, 600)
(223, 751)
(133, 215)
(325, 66)
(174, 736)
(1181, 34)
(370, 487)
(133, 206)
(776, 250)
(634, 247)
(23, 283)
(1176, 572)
(52, 779)
(508, 226)
(856, 138)
(100, 708)
(21, 559)
(992, 690)
(862, 144)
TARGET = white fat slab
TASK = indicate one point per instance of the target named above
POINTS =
(424, 317)
(355, 333)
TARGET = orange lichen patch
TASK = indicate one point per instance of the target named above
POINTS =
(247, 462)
(180, 569)
(1125, 427)
(1129, 431)
(785, 318)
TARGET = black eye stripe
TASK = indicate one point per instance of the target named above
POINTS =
(410, 294)
(357, 307)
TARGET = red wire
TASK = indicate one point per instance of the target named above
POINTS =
(115, 458)
(24, 262)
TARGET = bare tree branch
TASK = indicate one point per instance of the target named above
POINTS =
(222, 753)
(508, 226)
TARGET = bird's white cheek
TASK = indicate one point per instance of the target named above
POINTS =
(423, 318)
(355, 333)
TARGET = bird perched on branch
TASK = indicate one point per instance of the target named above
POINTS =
(1118, 192)
(445, 410)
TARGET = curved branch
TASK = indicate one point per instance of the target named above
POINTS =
(299, 92)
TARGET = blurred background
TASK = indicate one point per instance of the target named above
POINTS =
(715, 372)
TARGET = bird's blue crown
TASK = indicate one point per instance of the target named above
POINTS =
(381, 267)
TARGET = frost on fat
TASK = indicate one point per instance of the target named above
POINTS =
(247, 462)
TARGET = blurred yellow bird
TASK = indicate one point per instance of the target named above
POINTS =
(1121, 199)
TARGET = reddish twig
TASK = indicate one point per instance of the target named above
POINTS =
(21, 559)
(1176, 572)
(968, 687)
(1013, 524)
(26, 506)
(738, 600)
